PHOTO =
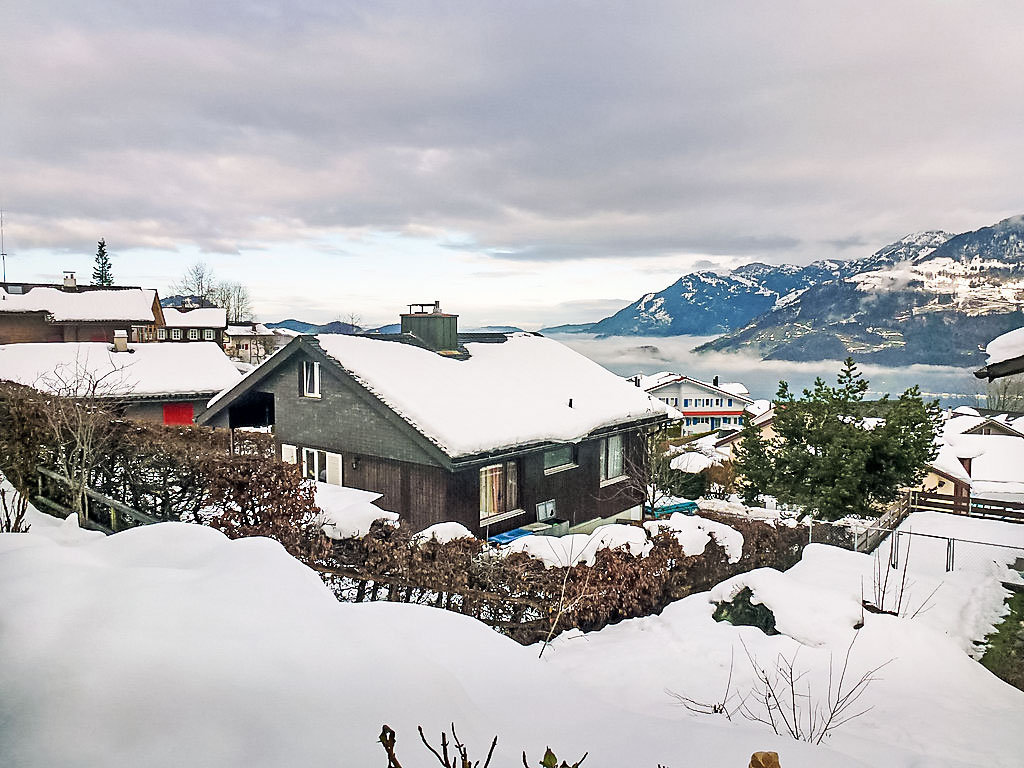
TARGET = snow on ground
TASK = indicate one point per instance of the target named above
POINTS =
(170, 645)
(444, 532)
(693, 534)
(581, 548)
(349, 512)
(932, 704)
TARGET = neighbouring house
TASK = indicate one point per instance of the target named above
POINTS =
(980, 457)
(494, 431)
(705, 406)
(250, 342)
(169, 383)
(197, 324)
(34, 312)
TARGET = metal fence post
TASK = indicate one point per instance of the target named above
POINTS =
(950, 554)
(894, 551)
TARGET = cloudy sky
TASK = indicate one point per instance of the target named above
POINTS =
(523, 162)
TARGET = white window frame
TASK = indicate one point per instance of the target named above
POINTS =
(507, 473)
(161, 334)
(175, 334)
(311, 383)
(612, 460)
(318, 464)
(208, 334)
(193, 334)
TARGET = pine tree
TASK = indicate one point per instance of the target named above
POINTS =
(101, 273)
(827, 459)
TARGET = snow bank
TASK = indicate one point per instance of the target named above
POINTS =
(931, 705)
(170, 645)
(581, 548)
(348, 513)
(693, 534)
(527, 389)
(692, 462)
(445, 532)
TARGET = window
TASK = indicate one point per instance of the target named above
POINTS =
(193, 334)
(611, 457)
(208, 334)
(314, 465)
(161, 334)
(686, 402)
(310, 379)
(675, 402)
(730, 402)
(499, 490)
(718, 401)
(562, 457)
(176, 334)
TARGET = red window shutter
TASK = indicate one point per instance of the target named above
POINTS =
(177, 413)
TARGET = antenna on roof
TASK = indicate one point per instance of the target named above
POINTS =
(3, 253)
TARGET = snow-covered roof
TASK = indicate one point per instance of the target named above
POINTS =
(527, 389)
(258, 329)
(692, 462)
(654, 381)
(145, 370)
(997, 461)
(132, 304)
(1006, 347)
(203, 317)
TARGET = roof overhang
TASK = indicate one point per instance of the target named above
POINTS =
(1001, 369)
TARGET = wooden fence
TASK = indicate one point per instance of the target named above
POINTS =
(1009, 511)
(102, 512)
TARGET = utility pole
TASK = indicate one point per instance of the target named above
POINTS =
(3, 253)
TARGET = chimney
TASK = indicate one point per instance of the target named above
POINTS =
(428, 323)
(120, 341)
(715, 381)
(70, 284)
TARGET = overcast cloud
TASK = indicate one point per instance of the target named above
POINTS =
(509, 132)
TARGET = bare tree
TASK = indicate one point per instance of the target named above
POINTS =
(198, 280)
(1006, 394)
(234, 297)
(78, 413)
(13, 507)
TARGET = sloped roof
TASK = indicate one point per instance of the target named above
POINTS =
(96, 305)
(146, 370)
(528, 389)
(734, 389)
(201, 317)
(253, 329)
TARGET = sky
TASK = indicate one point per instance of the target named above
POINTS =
(525, 163)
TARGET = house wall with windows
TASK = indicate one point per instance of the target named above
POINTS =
(338, 432)
(704, 408)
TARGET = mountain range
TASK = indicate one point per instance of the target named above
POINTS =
(931, 297)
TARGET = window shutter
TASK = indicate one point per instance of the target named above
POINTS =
(289, 454)
(334, 468)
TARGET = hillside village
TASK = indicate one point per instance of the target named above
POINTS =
(496, 496)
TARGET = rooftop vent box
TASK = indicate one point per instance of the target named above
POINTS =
(438, 330)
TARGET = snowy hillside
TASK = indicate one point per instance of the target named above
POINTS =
(705, 303)
(939, 306)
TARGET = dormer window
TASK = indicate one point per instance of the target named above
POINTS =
(310, 379)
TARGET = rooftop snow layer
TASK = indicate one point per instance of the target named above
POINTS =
(1006, 347)
(204, 317)
(135, 304)
(258, 329)
(147, 369)
(528, 389)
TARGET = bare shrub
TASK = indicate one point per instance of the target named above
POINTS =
(13, 507)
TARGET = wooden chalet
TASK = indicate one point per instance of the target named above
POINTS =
(37, 312)
(493, 431)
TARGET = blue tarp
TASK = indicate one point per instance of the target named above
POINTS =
(686, 507)
(509, 536)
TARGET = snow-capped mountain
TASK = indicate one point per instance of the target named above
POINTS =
(704, 303)
(935, 302)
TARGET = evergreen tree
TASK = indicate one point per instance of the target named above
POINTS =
(827, 459)
(102, 273)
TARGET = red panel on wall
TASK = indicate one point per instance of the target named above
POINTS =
(177, 413)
